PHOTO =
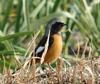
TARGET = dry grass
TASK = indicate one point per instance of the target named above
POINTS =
(79, 71)
(83, 72)
(79, 14)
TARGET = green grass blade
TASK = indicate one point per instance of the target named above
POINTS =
(3, 38)
(9, 7)
(19, 9)
(56, 4)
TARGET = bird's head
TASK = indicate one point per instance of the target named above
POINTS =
(55, 26)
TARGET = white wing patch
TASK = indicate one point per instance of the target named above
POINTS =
(41, 48)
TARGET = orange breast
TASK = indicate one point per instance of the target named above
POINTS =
(55, 51)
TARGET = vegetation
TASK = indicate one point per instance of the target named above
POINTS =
(22, 23)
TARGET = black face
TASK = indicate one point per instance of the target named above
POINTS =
(56, 27)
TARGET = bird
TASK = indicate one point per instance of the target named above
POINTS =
(55, 42)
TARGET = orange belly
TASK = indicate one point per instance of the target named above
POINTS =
(55, 50)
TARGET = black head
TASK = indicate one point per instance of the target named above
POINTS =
(54, 26)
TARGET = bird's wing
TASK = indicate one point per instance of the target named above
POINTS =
(41, 46)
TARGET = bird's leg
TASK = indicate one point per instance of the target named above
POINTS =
(49, 70)
(50, 67)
